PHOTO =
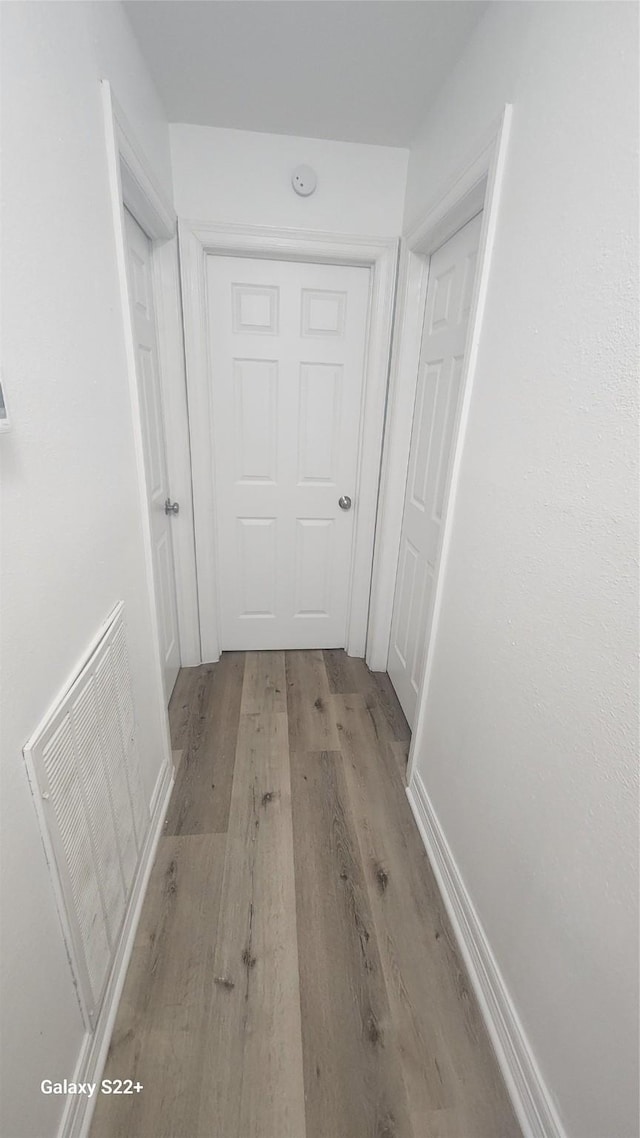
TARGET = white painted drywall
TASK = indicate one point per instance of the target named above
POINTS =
(71, 532)
(245, 177)
(361, 73)
(529, 755)
(119, 60)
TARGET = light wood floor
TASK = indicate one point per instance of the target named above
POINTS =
(294, 974)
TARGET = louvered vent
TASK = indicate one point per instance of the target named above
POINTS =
(83, 762)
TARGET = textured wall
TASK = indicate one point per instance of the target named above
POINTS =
(529, 755)
(244, 177)
(71, 533)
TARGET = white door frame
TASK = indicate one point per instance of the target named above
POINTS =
(201, 239)
(133, 185)
(477, 187)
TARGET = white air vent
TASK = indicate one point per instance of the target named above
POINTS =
(84, 769)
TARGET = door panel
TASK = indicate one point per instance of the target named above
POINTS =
(319, 422)
(255, 384)
(143, 320)
(449, 293)
(287, 367)
(313, 566)
(256, 566)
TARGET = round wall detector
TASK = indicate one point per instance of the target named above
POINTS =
(304, 180)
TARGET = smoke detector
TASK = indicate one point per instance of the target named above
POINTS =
(304, 180)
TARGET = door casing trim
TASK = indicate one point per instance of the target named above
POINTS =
(200, 239)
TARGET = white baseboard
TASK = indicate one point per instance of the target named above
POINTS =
(531, 1098)
(79, 1109)
(160, 792)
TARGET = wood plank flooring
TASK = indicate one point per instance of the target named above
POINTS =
(294, 974)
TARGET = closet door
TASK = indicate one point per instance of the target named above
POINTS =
(449, 293)
(153, 436)
(287, 370)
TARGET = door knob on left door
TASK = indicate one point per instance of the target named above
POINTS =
(171, 507)
(344, 502)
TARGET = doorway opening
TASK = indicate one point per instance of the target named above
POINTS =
(424, 441)
(300, 324)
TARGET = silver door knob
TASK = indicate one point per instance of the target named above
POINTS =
(171, 507)
(344, 502)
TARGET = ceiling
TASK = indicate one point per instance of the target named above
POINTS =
(356, 70)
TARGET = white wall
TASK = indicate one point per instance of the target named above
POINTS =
(529, 756)
(71, 534)
(245, 177)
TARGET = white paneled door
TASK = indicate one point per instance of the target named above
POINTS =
(287, 364)
(449, 295)
(144, 330)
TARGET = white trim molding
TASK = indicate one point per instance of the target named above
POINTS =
(76, 1119)
(140, 192)
(476, 187)
(529, 1094)
(165, 269)
(201, 239)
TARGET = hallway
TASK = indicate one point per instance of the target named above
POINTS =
(294, 974)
